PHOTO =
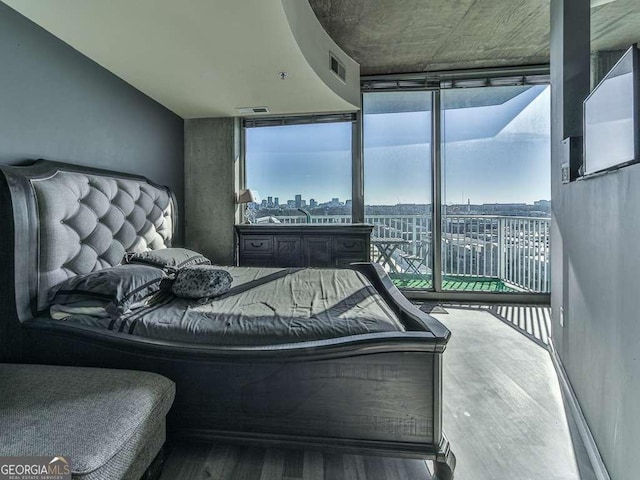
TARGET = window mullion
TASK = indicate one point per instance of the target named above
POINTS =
(357, 171)
(436, 181)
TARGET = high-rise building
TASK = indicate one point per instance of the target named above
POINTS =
(298, 201)
(276, 202)
(291, 204)
(270, 202)
(313, 203)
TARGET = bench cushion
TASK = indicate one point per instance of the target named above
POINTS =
(109, 423)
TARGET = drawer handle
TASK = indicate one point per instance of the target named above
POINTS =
(349, 245)
(256, 245)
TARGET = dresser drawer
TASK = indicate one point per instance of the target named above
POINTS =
(255, 245)
(349, 245)
(302, 245)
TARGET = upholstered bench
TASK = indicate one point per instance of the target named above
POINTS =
(110, 424)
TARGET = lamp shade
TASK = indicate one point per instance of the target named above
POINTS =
(246, 196)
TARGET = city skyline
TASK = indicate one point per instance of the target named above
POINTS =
(297, 201)
(269, 207)
(278, 201)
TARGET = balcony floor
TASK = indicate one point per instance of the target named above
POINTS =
(462, 283)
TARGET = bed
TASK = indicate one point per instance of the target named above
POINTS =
(366, 377)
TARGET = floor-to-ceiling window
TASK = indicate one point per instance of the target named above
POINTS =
(398, 183)
(495, 187)
(455, 179)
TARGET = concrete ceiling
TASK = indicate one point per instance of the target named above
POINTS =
(402, 36)
(397, 36)
(615, 25)
(199, 58)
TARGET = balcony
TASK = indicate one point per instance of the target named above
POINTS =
(480, 253)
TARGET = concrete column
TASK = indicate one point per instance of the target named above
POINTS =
(570, 83)
(211, 172)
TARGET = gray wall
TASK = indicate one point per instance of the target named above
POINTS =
(57, 104)
(211, 178)
(595, 263)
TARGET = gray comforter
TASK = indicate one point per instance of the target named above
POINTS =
(264, 306)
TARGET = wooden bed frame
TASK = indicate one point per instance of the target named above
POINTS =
(369, 394)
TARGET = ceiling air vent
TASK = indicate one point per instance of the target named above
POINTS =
(249, 110)
(338, 68)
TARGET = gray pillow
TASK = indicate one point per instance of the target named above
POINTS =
(170, 259)
(118, 288)
(201, 281)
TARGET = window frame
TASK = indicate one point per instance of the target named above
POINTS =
(357, 170)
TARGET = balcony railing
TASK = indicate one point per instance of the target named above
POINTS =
(513, 250)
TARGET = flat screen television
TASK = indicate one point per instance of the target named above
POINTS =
(611, 118)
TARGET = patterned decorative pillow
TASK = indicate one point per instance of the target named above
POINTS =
(170, 259)
(201, 281)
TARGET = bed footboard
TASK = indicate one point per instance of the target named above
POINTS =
(380, 394)
(377, 401)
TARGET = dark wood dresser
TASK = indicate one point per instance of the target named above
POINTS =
(303, 245)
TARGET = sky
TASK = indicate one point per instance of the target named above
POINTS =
(491, 154)
(312, 160)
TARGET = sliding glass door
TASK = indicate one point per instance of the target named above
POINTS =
(493, 191)
(398, 183)
(496, 189)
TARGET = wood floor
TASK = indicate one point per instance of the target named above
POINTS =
(503, 415)
(192, 460)
(503, 409)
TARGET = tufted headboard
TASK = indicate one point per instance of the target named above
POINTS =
(70, 220)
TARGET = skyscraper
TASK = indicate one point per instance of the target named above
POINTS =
(298, 201)
(276, 202)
